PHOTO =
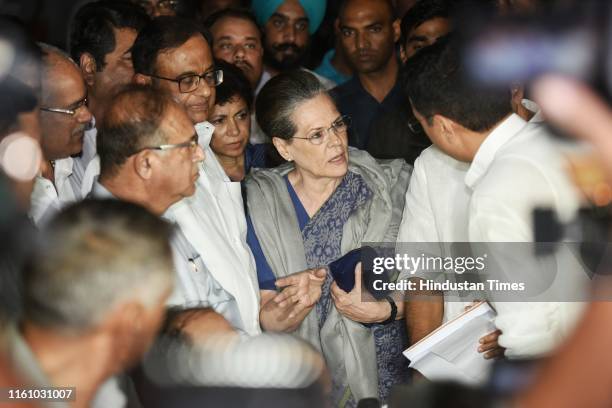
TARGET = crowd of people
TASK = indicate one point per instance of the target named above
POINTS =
(178, 178)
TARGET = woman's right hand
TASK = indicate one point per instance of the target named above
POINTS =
(301, 289)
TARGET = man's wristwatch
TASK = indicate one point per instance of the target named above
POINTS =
(393, 315)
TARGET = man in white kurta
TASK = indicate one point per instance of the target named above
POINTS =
(485, 193)
(64, 118)
(213, 221)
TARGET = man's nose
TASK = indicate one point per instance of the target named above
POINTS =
(289, 33)
(83, 114)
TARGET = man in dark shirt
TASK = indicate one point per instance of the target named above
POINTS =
(397, 134)
(369, 31)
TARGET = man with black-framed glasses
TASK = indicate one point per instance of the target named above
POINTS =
(172, 55)
(64, 118)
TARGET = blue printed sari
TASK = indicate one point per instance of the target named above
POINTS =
(322, 235)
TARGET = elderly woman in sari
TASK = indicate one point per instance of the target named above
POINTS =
(305, 214)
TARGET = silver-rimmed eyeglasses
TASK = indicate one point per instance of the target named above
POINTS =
(339, 127)
(191, 144)
(67, 111)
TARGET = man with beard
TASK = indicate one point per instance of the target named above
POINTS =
(287, 26)
(64, 117)
(101, 37)
(369, 31)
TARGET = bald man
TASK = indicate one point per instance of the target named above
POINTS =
(64, 117)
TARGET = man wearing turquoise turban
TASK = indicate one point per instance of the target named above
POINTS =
(315, 10)
(287, 27)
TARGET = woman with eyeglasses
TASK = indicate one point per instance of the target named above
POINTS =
(231, 117)
(308, 213)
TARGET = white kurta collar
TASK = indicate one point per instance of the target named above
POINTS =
(488, 149)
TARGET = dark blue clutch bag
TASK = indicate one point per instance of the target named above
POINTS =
(343, 269)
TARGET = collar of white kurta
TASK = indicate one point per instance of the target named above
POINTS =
(531, 106)
(62, 169)
(213, 222)
(205, 131)
(501, 135)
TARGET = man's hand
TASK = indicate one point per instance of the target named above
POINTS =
(488, 343)
(300, 290)
(489, 346)
(352, 305)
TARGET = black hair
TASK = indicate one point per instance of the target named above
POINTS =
(436, 83)
(91, 30)
(161, 34)
(232, 12)
(234, 84)
(422, 11)
(279, 98)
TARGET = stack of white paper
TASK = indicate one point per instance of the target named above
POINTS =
(451, 351)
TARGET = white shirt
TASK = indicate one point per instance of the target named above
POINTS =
(436, 208)
(516, 169)
(49, 198)
(87, 155)
(214, 222)
(194, 285)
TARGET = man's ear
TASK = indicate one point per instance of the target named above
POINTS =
(282, 148)
(143, 164)
(126, 326)
(397, 30)
(447, 128)
(88, 66)
(142, 79)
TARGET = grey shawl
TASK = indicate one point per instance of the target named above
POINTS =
(348, 346)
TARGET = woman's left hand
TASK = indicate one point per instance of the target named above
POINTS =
(356, 308)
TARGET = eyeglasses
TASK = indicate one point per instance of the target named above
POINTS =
(191, 144)
(190, 83)
(67, 111)
(415, 127)
(339, 127)
(163, 6)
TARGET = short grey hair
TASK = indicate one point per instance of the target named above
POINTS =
(280, 97)
(92, 257)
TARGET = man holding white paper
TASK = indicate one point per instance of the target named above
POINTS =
(492, 161)
(437, 201)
